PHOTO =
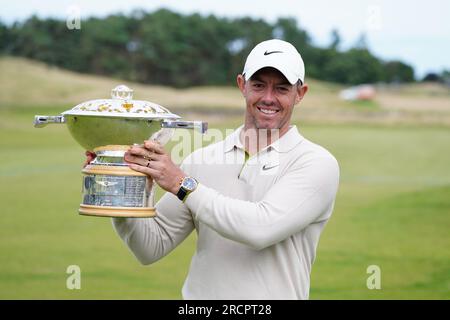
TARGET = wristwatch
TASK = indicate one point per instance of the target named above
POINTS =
(188, 184)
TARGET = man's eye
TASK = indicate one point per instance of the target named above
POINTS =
(283, 89)
(257, 85)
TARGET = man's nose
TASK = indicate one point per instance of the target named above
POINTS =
(268, 97)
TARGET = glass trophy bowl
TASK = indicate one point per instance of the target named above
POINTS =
(109, 127)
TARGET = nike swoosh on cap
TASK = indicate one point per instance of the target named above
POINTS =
(267, 53)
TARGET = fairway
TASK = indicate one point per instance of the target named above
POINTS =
(392, 210)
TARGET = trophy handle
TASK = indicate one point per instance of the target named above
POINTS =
(198, 125)
(42, 121)
(162, 136)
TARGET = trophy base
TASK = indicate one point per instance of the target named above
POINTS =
(114, 212)
(111, 189)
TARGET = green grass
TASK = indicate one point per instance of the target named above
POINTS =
(392, 210)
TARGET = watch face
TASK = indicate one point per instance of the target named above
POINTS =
(189, 183)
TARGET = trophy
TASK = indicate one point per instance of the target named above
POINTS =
(109, 127)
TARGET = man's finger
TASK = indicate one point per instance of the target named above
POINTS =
(136, 159)
(146, 170)
(153, 146)
(144, 153)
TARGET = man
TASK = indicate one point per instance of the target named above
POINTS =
(258, 200)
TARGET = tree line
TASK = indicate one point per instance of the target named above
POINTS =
(167, 48)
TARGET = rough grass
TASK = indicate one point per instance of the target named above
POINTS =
(29, 84)
(392, 210)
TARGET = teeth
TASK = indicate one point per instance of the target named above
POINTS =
(267, 111)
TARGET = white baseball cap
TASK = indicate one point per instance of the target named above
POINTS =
(277, 54)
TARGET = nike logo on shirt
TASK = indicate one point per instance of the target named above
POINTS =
(269, 166)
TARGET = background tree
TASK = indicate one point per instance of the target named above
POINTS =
(168, 48)
(397, 71)
(335, 40)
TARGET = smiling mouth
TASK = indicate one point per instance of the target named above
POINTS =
(267, 111)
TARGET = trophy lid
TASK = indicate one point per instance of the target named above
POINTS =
(121, 105)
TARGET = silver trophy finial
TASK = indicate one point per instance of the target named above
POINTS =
(122, 92)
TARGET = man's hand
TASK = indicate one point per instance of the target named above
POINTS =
(89, 157)
(152, 160)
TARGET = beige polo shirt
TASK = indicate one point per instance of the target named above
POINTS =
(258, 220)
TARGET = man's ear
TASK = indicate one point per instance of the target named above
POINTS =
(241, 83)
(301, 91)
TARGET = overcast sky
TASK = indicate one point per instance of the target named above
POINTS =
(417, 32)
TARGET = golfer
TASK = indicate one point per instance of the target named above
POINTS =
(257, 200)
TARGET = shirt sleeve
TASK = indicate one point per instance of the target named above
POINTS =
(304, 195)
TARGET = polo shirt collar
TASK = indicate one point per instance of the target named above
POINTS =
(233, 141)
(285, 144)
(288, 141)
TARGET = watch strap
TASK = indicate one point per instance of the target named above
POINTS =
(181, 194)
